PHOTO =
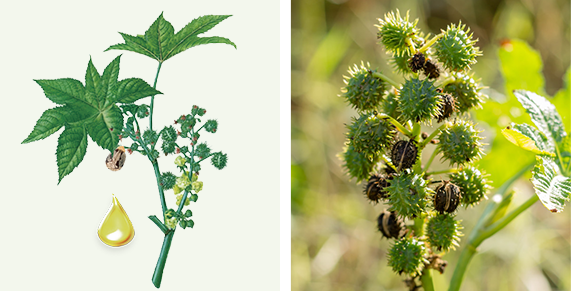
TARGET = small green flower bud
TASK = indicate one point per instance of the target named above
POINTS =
(211, 125)
(180, 161)
(218, 160)
(466, 90)
(407, 256)
(394, 31)
(358, 164)
(455, 49)
(459, 142)
(188, 213)
(370, 134)
(143, 111)
(473, 185)
(197, 186)
(182, 224)
(168, 180)
(363, 91)
(419, 100)
(408, 194)
(443, 232)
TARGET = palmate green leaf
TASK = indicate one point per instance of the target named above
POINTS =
(71, 148)
(528, 138)
(552, 188)
(543, 114)
(105, 128)
(161, 43)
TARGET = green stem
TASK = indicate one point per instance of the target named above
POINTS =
(158, 222)
(479, 233)
(431, 136)
(426, 279)
(454, 170)
(386, 79)
(434, 153)
(158, 274)
(153, 97)
(397, 124)
(430, 43)
(184, 196)
(161, 192)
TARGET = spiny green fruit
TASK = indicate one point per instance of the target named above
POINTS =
(394, 32)
(169, 134)
(370, 134)
(443, 232)
(390, 104)
(168, 147)
(168, 180)
(358, 164)
(401, 63)
(218, 160)
(447, 197)
(375, 188)
(473, 185)
(455, 49)
(363, 91)
(391, 225)
(211, 126)
(408, 194)
(408, 255)
(419, 100)
(466, 90)
(459, 142)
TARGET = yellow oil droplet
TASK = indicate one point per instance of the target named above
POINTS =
(116, 229)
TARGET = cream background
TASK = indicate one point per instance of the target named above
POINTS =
(48, 238)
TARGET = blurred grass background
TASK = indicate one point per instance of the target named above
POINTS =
(335, 245)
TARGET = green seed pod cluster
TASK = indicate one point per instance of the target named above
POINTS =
(473, 185)
(408, 194)
(419, 100)
(358, 164)
(408, 255)
(395, 30)
(466, 91)
(370, 134)
(443, 232)
(459, 142)
(455, 49)
(363, 91)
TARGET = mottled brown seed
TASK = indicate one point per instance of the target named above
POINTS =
(116, 160)
(416, 62)
(447, 197)
(375, 188)
(404, 154)
(447, 107)
(390, 225)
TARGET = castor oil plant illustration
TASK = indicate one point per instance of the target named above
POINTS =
(385, 143)
(103, 108)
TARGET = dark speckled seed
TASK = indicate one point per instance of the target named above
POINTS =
(390, 225)
(447, 197)
(404, 154)
(417, 62)
(375, 188)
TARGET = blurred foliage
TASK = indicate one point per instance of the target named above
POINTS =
(335, 245)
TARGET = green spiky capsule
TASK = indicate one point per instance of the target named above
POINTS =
(419, 100)
(459, 142)
(401, 63)
(443, 232)
(408, 194)
(394, 32)
(455, 49)
(466, 90)
(370, 134)
(391, 225)
(363, 91)
(168, 180)
(408, 255)
(473, 185)
(375, 188)
(447, 197)
(390, 104)
(358, 164)
(218, 160)
(404, 154)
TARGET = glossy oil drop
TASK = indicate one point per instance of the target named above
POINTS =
(116, 229)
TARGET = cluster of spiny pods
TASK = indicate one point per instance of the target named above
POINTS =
(385, 143)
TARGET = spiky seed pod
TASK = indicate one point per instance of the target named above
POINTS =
(363, 91)
(404, 154)
(401, 63)
(168, 180)
(473, 185)
(407, 256)
(218, 160)
(358, 164)
(408, 194)
(375, 188)
(455, 49)
(419, 100)
(417, 61)
(447, 197)
(431, 70)
(447, 107)
(466, 90)
(390, 225)
(390, 104)
(443, 232)
(459, 142)
(370, 134)
(394, 32)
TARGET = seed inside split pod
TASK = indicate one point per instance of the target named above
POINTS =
(116, 160)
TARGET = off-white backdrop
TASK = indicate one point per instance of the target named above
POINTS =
(48, 237)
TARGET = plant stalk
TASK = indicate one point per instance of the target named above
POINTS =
(153, 97)
(386, 79)
(161, 192)
(158, 274)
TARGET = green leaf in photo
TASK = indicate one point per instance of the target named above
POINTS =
(543, 114)
(552, 188)
(528, 138)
